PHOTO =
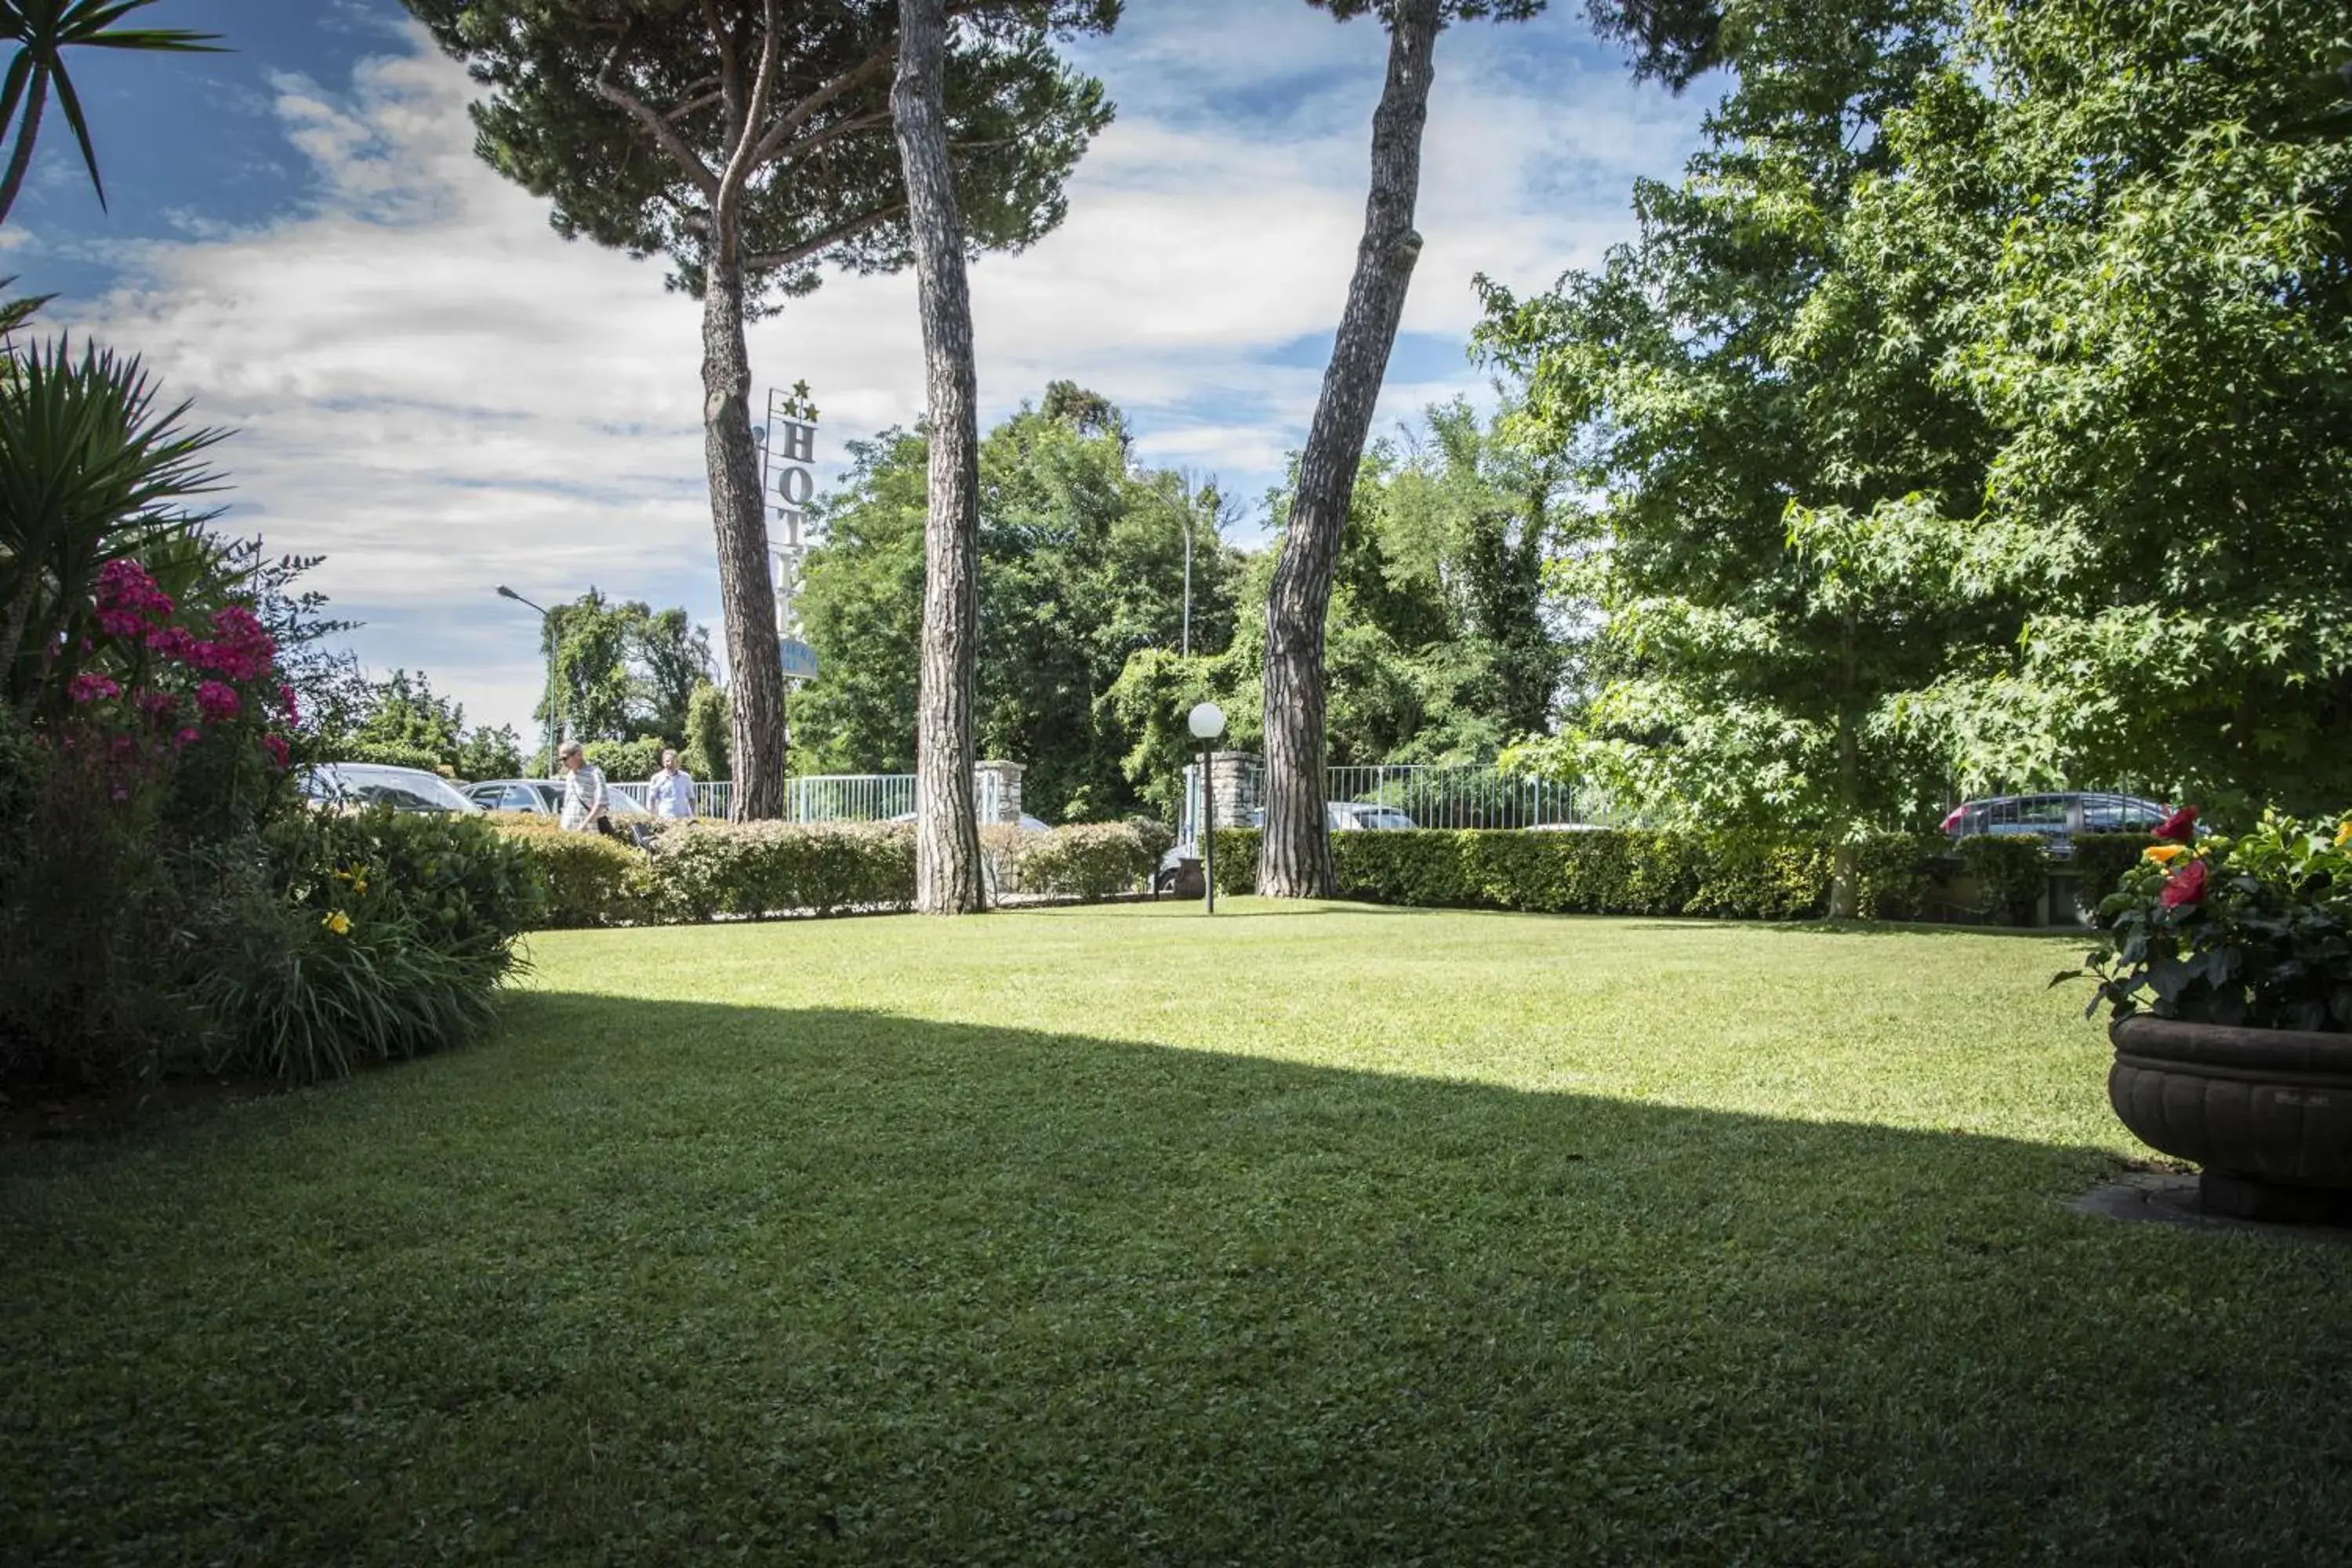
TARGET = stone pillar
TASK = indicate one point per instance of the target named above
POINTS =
(1008, 790)
(1238, 780)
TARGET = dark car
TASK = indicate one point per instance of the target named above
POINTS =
(2056, 818)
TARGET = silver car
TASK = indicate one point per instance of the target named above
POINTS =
(357, 784)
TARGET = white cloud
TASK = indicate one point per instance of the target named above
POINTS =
(439, 394)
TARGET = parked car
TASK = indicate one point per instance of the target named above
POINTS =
(2055, 818)
(358, 784)
(544, 798)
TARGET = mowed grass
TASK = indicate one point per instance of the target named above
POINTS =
(1314, 1235)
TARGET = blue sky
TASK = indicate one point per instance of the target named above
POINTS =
(438, 394)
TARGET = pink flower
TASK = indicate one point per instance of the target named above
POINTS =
(239, 648)
(90, 688)
(159, 706)
(124, 623)
(2186, 886)
(276, 746)
(172, 642)
(215, 701)
(125, 587)
(287, 704)
(187, 736)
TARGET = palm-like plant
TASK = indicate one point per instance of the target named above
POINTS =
(42, 30)
(91, 470)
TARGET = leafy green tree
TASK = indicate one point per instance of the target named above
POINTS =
(403, 712)
(594, 691)
(42, 30)
(705, 753)
(750, 142)
(1764, 443)
(670, 657)
(2147, 249)
(1081, 566)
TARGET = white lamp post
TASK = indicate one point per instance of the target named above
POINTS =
(1208, 722)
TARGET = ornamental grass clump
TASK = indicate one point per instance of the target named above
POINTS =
(2254, 930)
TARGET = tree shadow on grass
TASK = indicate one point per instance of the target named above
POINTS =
(658, 1282)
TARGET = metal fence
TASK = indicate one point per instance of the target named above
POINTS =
(1428, 797)
(834, 797)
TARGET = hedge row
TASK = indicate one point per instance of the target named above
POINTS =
(697, 872)
(1731, 873)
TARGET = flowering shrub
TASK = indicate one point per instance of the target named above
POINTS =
(2254, 930)
(369, 936)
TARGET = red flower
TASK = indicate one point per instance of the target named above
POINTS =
(90, 688)
(276, 746)
(2185, 885)
(2181, 826)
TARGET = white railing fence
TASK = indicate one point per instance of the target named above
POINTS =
(1430, 796)
(835, 797)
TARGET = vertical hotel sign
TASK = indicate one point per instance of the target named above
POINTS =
(788, 476)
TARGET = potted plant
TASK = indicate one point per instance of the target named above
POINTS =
(2227, 964)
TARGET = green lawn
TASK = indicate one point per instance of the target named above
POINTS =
(1319, 1235)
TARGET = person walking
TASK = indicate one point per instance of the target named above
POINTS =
(670, 792)
(585, 807)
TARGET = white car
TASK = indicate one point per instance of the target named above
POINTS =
(357, 784)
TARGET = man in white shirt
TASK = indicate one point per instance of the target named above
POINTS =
(585, 809)
(669, 794)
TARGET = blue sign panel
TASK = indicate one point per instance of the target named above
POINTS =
(800, 659)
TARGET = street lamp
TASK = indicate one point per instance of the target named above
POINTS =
(1208, 722)
(547, 649)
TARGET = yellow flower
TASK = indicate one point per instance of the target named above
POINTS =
(2343, 834)
(358, 885)
(2161, 853)
(339, 922)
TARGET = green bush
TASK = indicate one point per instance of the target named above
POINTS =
(755, 869)
(2100, 862)
(587, 879)
(1090, 861)
(627, 761)
(2011, 870)
(1237, 860)
(1895, 874)
(361, 937)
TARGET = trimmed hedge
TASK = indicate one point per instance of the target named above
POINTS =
(589, 879)
(1725, 873)
(1089, 861)
(2011, 871)
(758, 869)
(2100, 862)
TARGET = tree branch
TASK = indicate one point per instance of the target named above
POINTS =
(864, 70)
(771, 260)
(664, 134)
(730, 70)
(764, 87)
(834, 132)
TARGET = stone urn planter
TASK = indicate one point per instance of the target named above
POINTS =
(2266, 1112)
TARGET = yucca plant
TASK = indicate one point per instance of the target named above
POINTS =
(42, 30)
(90, 471)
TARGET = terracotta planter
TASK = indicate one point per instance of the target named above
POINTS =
(2272, 1108)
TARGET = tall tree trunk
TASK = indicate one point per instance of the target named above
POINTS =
(35, 97)
(747, 592)
(1294, 857)
(947, 833)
